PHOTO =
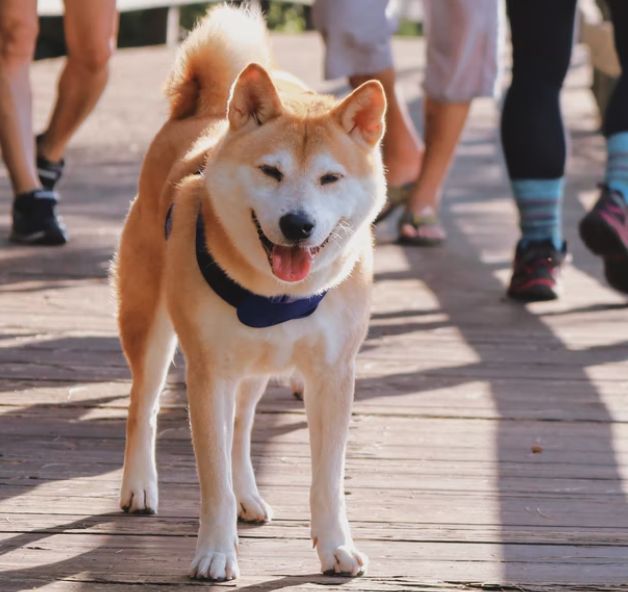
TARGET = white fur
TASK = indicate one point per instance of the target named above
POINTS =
(329, 387)
(139, 491)
(228, 364)
(342, 211)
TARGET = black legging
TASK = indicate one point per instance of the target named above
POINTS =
(532, 129)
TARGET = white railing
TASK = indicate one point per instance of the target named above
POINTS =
(411, 9)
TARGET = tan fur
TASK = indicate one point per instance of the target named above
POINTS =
(227, 128)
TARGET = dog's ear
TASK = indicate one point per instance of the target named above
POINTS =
(361, 114)
(253, 98)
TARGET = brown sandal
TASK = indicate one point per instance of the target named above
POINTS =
(396, 196)
(417, 222)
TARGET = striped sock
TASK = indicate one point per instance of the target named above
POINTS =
(617, 165)
(539, 202)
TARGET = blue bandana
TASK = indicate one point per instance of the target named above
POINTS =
(252, 310)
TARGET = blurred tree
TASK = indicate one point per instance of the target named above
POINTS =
(280, 16)
(409, 28)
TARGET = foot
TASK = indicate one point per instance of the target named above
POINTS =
(214, 566)
(139, 491)
(335, 547)
(604, 230)
(421, 229)
(536, 271)
(341, 559)
(297, 386)
(216, 553)
(253, 509)
(49, 171)
(35, 221)
(396, 197)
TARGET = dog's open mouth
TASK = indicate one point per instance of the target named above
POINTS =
(289, 263)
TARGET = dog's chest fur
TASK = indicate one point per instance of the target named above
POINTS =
(245, 350)
(204, 319)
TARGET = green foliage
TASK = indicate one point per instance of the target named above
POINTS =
(191, 13)
(409, 29)
(288, 18)
(280, 16)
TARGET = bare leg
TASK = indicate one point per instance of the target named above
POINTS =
(402, 148)
(444, 123)
(90, 33)
(18, 32)
(212, 403)
(328, 401)
(251, 506)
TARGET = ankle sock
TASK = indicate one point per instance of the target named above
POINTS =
(617, 164)
(49, 171)
(35, 221)
(37, 200)
(540, 210)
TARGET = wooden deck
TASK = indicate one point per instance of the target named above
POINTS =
(489, 447)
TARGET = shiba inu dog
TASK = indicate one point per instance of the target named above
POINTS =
(249, 242)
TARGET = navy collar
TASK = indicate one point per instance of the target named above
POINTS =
(252, 309)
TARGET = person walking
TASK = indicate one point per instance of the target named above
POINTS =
(461, 64)
(533, 139)
(35, 165)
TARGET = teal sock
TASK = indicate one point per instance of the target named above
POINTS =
(540, 207)
(617, 164)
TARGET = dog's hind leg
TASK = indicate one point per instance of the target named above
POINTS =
(251, 506)
(149, 347)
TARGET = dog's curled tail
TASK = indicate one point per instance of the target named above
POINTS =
(211, 57)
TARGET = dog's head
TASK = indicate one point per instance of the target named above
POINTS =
(297, 176)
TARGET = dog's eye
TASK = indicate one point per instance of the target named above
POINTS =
(330, 178)
(271, 171)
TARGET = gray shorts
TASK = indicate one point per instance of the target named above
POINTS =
(462, 43)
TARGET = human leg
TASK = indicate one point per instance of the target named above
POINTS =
(616, 118)
(90, 32)
(401, 146)
(444, 123)
(34, 210)
(605, 228)
(459, 68)
(18, 33)
(357, 41)
(533, 139)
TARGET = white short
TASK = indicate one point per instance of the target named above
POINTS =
(462, 43)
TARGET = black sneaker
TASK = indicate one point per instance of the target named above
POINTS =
(536, 271)
(49, 172)
(35, 221)
(604, 230)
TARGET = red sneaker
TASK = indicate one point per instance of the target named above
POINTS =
(604, 230)
(536, 271)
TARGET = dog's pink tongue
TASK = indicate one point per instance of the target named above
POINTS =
(290, 264)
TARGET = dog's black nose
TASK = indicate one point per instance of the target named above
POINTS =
(296, 226)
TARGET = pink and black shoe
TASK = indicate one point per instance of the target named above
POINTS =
(604, 230)
(536, 271)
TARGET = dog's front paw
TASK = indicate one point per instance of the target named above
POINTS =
(343, 560)
(252, 508)
(139, 493)
(213, 565)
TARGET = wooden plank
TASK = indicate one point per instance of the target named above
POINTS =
(489, 442)
(247, 583)
(286, 528)
(165, 559)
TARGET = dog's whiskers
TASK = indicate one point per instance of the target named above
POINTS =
(341, 230)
